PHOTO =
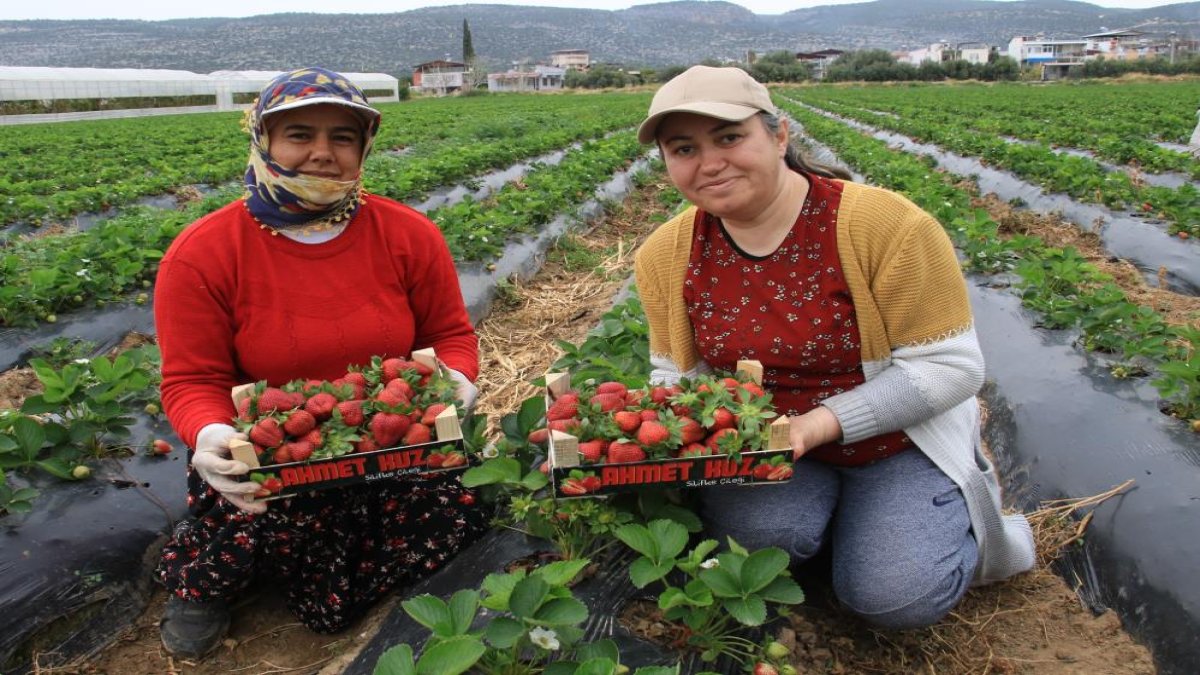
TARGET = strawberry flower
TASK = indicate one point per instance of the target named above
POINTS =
(711, 563)
(546, 639)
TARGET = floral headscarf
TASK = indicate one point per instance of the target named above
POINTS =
(279, 197)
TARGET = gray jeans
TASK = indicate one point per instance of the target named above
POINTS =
(903, 553)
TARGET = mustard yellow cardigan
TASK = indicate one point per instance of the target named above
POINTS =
(921, 359)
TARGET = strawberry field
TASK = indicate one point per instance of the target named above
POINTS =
(1094, 379)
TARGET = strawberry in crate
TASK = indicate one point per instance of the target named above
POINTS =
(707, 415)
(391, 402)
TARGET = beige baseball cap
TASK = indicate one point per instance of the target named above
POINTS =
(724, 93)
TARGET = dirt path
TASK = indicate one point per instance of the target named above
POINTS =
(1032, 624)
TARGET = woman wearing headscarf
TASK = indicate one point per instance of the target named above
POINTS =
(853, 300)
(303, 277)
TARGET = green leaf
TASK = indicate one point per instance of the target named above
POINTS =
(658, 670)
(463, 606)
(533, 409)
(721, 581)
(561, 572)
(527, 595)
(599, 666)
(601, 649)
(29, 435)
(503, 632)
(561, 612)
(431, 612)
(534, 481)
(498, 588)
(672, 597)
(396, 661)
(57, 467)
(761, 568)
(561, 668)
(644, 571)
(451, 657)
(638, 538)
(737, 548)
(38, 405)
(698, 594)
(671, 536)
(784, 591)
(751, 611)
(492, 471)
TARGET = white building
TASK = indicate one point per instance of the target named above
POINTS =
(541, 78)
(440, 77)
(1032, 50)
(571, 59)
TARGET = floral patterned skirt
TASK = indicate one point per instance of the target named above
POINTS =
(333, 553)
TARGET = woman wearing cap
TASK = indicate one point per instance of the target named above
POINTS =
(303, 277)
(853, 300)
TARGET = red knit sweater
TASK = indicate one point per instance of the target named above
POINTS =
(234, 303)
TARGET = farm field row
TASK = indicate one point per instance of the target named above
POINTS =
(1120, 122)
(1082, 178)
(56, 171)
(1067, 291)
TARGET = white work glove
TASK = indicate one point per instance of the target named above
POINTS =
(467, 391)
(211, 460)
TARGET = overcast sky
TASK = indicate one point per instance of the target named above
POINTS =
(158, 9)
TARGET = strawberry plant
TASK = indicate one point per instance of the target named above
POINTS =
(532, 627)
(718, 594)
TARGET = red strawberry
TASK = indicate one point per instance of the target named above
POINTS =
(422, 369)
(298, 399)
(429, 418)
(388, 428)
(356, 378)
(572, 486)
(390, 398)
(765, 669)
(300, 450)
(593, 450)
(753, 389)
(299, 423)
(352, 412)
(695, 450)
(366, 444)
(723, 418)
(620, 452)
(648, 415)
(718, 435)
(761, 471)
(311, 387)
(570, 426)
(356, 390)
(627, 420)
(690, 431)
(781, 472)
(434, 460)
(272, 485)
(612, 388)
(539, 436)
(454, 458)
(321, 406)
(634, 397)
(659, 395)
(391, 368)
(608, 402)
(652, 433)
(401, 387)
(160, 447)
(274, 400)
(267, 433)
(282, 454)
(592, 483)
(417, 433)
(466, 499)
(313, 437)
(731, 384)
(244, 410)
(565, 407)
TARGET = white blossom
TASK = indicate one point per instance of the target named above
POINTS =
(546, 639)
(711, 563)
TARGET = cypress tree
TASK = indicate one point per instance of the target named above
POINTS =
(468, 49)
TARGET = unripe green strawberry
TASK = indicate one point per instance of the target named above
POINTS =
(80, 472)
(777, 650)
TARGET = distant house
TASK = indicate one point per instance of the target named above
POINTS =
(442, 77)
(819, 62)
(541, 78)
(973, 52)
(571, 59)
(1056, 57)
(1123, 45)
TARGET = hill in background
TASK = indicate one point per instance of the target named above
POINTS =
(681, 32)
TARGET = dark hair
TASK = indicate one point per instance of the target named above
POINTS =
(795, 160)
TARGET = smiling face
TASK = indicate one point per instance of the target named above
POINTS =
(732, 170)
(323, 140)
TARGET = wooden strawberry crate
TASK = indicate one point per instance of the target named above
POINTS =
(446, 454)
(571, 476)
